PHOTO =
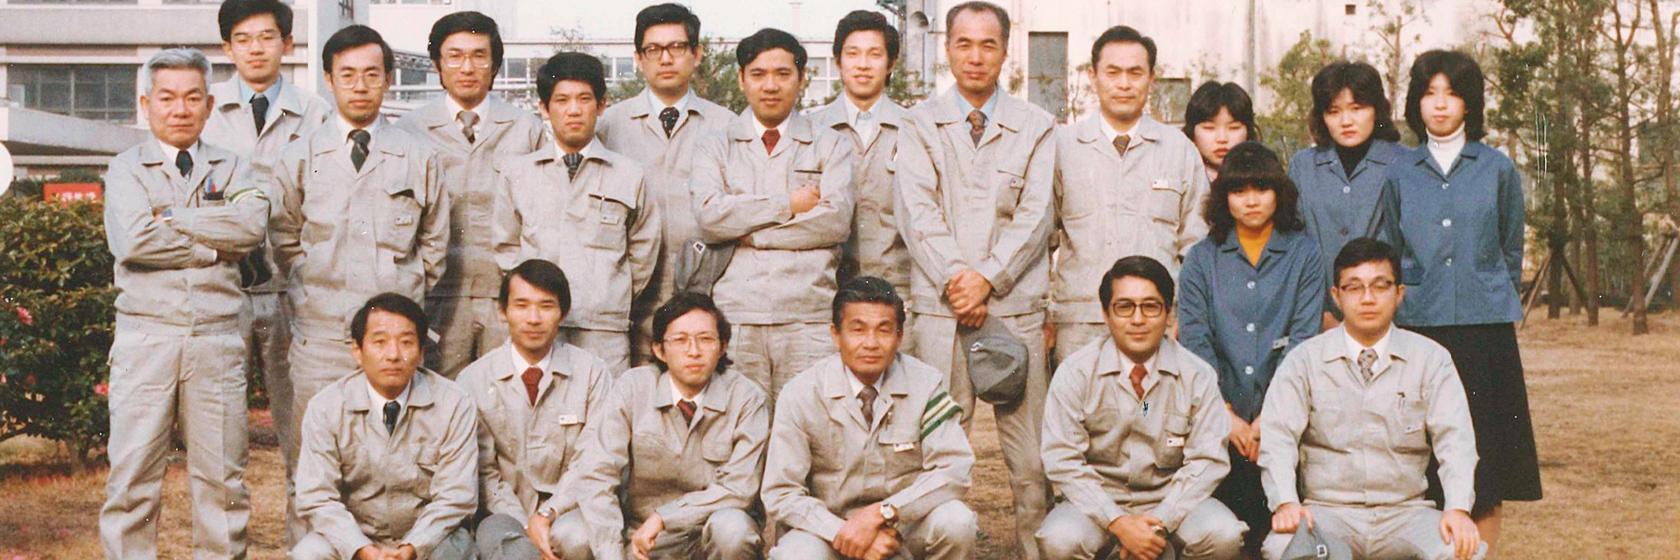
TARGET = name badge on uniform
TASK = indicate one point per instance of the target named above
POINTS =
(404, 220)
(570, 419)
(1280, 343)
(609, 219)
(1175, 442)
(902, 447)
(1160, 185)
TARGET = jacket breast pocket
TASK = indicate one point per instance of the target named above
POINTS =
(610, 230)
(717, 448)
(1409, 426)
(902, 451)
(1166, 197)
(1108, 435)
(1009, 185)
(398, 221)
(1169, 450)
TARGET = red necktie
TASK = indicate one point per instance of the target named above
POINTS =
(770, 138)
(531, 377)
(687, 408)
(1137, 379)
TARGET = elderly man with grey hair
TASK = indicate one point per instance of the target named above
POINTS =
(179, 216)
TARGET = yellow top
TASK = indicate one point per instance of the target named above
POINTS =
(1253, 241)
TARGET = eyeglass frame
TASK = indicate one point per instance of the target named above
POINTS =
(650, 51)
(1117, 308)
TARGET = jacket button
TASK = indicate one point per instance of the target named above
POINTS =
(1249, 328)
(1248, 370)
(1446, 223)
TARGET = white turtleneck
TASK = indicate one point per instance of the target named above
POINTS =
(1445, 149)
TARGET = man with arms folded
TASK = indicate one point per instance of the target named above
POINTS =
(1352, 418)
(1134, 435)
(866, 455)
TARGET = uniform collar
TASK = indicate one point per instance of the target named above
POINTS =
(1166, 361)
(169, 152)
(377, 401)
(989, 108)
(1354, 347)
(520, 365)
(653, 101)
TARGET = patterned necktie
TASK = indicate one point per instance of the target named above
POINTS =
(573, 161)
(668, 119)
(1138, 372)
(531, 376)
(771, 136)
(1121, 143)
(1367, 358)
(468, 120)
(391, 411)
(867, 398)
(259, 111)
(976, 125)
(359, 152)
(687, 407)
(183, 163)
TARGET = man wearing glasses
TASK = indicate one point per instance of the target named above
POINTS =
(470, 130)
(359, 209)
(1353, 417)
(1134, 435)
(657, 128)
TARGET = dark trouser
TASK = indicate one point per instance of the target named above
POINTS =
(1241, 492)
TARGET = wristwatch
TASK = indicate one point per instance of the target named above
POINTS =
(889, 514)
(547, 512)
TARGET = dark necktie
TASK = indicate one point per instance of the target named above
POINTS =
(183, 163)
(531, 376)
(668, 119)
(867, 398)
(976, 125)
(1121, 143)
(359, 151)
(688, 408)
(469, 120)
(259, 111)
(573, 162)
(391, 411)
(1137, 379)
(771, 136)
(1367, 358)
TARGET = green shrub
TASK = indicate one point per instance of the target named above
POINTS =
(56, 314)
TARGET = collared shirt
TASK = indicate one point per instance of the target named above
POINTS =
(520, 365)
(681, 105)
(560, 151)
(1337, 207)
(1111, 453)
(677, 396)
(377, 401)
(876, 248)
(171, 152)
(989, 108)
(455, 108)
(866, 128)
(246, 92)
(1110, 133)
(1244, 318)
(1355, 348)
(1330, 437)
(345, 127)
(781, 127)
(1459, 235)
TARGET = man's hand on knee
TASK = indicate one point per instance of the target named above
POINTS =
(1138, 535)
(537, 529)
(1290, 516)
(856, 536)
(1458, 530)
(885, 546)
(642, 540)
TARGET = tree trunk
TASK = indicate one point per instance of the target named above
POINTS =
(1630, 229)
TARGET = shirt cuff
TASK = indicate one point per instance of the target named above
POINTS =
(203, 256)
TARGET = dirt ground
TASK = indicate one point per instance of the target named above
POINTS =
(1605, 406)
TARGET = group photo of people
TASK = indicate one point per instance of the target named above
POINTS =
(651, 327)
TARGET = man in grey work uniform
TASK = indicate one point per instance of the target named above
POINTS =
(780, 188)
(975, 168)
(659, 128)
(1134, 435)
(359, 208)
(1125, 185)
(1353, 417)
(179, 215)
(470, 129)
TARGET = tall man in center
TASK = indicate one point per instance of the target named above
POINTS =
(779, 188)
(975, 169)
(470, 129)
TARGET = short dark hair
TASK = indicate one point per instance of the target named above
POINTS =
(1212, 96)
(1362, 250)
(681, 303)
(979, 6)
(1251, 164)
(661, 14)
(389, 302)
(234, 12)
(867, 289)
(543, 275)
(1141, 267)
(465, 22)
(1366, 84)
(865, 20)
(766, 40)
(571, 66)
(352, 37)
(1466, 79)
(1122, 34)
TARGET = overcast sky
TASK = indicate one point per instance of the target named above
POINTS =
(724, 18)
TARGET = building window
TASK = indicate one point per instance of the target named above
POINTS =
(347, 9)
(1350, 9)
(95, 92)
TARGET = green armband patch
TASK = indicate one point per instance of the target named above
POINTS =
(939, 409)
(246, 193)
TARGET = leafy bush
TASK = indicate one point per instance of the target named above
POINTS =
(56, 313)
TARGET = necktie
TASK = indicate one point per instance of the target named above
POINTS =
(976, 125)
(771, 136)
(1121, 143)
(391, 411)
(668, 119)
(1137, 379)
(259, 111)
(359, 152)
(573, 162)
(867, 398)
(183, 163)
(468, 120)
(687, 408)
(1367, 358)
(531, 376)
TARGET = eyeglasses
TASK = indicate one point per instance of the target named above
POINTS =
(652, 52)
(1151, 308)
(704, 341)
(244, 41)
(1378, 288)
(370, 78)
(456, 60)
